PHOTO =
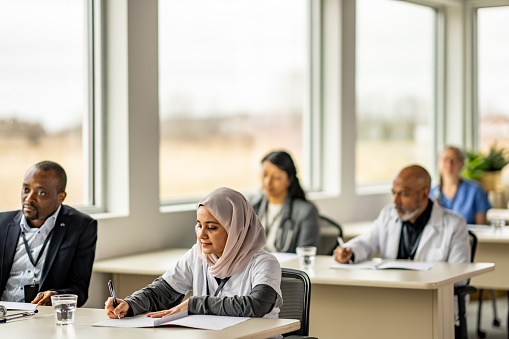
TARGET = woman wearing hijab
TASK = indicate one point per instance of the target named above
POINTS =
(290, 220)
(463, 196)
(227, 270)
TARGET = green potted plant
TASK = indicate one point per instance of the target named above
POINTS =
(486, 168)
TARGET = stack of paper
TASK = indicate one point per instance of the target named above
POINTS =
(18, 306)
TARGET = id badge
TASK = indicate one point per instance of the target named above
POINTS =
(30, 292)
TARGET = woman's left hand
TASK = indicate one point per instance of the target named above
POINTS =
(179, 308)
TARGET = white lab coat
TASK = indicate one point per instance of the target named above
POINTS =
(444, 238)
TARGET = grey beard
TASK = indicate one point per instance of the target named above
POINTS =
(409, 215)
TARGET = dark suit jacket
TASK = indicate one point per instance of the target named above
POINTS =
(69, 256)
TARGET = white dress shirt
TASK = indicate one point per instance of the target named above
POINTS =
(23, 271)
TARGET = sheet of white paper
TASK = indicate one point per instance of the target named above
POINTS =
(207, 322)
(370, 264)
(284, 257)
(137, 321)
(388, 264)
(18, 306)
(176, 316)
(406, 265)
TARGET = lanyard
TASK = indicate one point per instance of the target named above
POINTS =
(406, 241)
(220, 287)
(40, 252)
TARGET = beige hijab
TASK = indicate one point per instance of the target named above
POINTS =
(246, 235)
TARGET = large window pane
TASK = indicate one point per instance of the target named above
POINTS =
(232, 86)
(395, 74)
(493, 78)
(43, 92)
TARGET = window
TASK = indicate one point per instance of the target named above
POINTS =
(232, 87)
(395, 88)
(44, 94)
(493, 78)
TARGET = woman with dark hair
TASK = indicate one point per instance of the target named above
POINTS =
(289, 219)
(463, 196)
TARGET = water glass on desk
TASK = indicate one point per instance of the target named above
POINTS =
(306, 256)
(64, 307)
(497, 224)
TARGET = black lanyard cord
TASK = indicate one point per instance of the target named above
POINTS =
(40, 252)
(220, 287)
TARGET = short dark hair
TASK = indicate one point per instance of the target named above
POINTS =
(59, 171)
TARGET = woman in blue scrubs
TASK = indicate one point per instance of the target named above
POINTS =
(464, 196)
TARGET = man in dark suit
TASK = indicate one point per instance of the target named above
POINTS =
(46, 248)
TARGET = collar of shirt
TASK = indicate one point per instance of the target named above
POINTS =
(45, 228)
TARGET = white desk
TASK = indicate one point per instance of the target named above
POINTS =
(42, 325)
(385, 303)
(493, 246)
(354, 303)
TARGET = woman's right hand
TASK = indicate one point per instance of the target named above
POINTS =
(113, 312)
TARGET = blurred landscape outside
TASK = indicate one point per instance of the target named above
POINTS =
(231, 90)
(43, 93)
(493, 75)
(395, 52)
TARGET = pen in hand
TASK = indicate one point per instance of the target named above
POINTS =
(112, 293)
(342, 244)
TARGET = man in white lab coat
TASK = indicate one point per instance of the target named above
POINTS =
(413, 227)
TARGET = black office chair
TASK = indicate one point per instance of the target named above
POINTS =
(296, 290)
(496, 321)
(329, 233)
(462, 291)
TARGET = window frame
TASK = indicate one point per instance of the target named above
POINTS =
(471, 70)
(93, 149)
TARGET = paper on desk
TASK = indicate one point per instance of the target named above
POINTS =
(370, 264)
(406, 265)
(206, 322)
(18, 306)
(478, 227)
(387, 264)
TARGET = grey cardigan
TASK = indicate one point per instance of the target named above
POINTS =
(159, 295)
(299, 223)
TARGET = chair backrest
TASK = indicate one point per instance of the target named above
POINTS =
(329, 232)
(472, 238)
(296, 290)
(473, 244)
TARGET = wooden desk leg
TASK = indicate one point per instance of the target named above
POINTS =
(443, 312)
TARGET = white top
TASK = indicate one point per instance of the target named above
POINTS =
(23, 271)
(191, 274)
(271, 222)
